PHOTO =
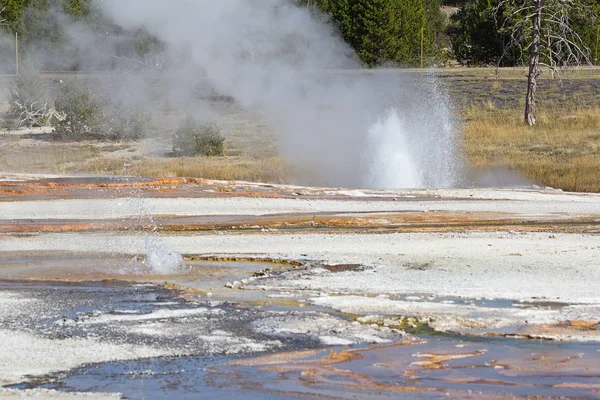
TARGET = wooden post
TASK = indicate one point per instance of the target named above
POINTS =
(550, 50)
(597, 44)
(422, 40)
(17, 53)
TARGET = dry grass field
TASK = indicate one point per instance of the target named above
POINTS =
(271, 169)
(484, 88)
(563, 151)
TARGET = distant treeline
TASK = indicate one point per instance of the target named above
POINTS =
(480, 32)
(388, 31)
(382, 32)
(72, 35)
(471, 32)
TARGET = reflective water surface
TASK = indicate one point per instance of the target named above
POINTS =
(431, 368)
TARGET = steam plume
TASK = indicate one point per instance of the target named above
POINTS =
(336, 125)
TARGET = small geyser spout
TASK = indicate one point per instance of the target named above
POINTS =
(389, 162)
(162, 260)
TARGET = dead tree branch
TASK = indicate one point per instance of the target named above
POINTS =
(542, 31)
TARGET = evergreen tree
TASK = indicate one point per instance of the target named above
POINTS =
(475, 34)
(13, 9)
(373, 32)
(386, 31)
(411, 30)
(76, 8)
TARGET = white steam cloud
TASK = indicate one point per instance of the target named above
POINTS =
(336, 125)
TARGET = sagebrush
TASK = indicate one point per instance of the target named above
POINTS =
(83, 114)
(126, 123)
(29, 102)
(79, 113)
(192, 138)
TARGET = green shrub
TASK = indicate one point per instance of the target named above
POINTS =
(193, 139)
(210, 142)
(126, 123)
(79, 114)
(29, 102)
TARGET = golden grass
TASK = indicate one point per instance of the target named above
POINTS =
(98, 158)
(272, 170)
(562, 151)
(44, 159)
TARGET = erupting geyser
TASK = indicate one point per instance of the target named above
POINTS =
(414, 144)
(337, 125)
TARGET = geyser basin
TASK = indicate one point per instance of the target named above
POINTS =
(416, 247)
(233, 349)
(431, 366)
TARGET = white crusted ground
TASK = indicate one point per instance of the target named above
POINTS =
(513, 265)
(525, 266)
(322, 328)
(23, 354)
(530, 203)
(464, 318)
(42, 394)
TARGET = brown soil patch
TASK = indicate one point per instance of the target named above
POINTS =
(343, 267)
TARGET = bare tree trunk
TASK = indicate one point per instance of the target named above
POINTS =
(534, 64)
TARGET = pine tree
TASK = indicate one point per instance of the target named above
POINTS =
(373, 35)
(386, 31)
(76, 8)
(13, 9)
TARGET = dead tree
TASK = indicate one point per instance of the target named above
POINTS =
(534, 63)
(29, 114)
(541, 29)
(29, 102)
